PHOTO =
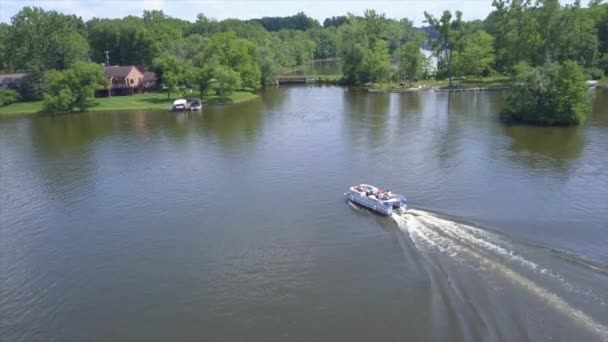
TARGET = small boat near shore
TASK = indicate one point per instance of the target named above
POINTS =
(189, 104)
(378, 200)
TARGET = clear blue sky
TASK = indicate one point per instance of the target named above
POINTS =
(318, 9)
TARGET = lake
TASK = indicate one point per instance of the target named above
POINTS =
(231, 224)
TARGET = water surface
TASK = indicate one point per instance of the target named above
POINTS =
(231, 224)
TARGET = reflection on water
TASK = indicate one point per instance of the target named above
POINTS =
(230, 224)
(552, 148)
(235, 126)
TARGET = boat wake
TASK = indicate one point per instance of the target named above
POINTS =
(473, 271)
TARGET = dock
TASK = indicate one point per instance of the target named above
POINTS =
(294, 79)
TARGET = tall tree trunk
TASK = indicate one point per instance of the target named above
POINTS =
(448, 57)
(450, 69)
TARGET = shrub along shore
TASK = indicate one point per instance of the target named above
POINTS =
(488, 83)
(144, 101)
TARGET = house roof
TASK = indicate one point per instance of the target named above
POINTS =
(150, 76)
(117, 71)
(4, 78)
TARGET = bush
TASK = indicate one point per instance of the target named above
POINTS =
(60, 102)
(551, 94)
(594, 73)
(9, 96)
(67, 90)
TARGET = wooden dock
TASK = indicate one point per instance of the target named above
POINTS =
(294, 79)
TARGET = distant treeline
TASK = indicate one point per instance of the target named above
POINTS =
(250, 53)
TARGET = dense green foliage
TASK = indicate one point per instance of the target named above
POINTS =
(366, 44)
(451, 37)
(68, 90)
(4, 33)
(411, 59)
(476, 55)
(516, 31)
(8, 96)
(247, 54)
(171, 72)
(534, 32)
(299, 21)
(44, 40)
(335, 21)
(551, 94)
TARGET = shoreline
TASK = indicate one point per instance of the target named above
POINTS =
(436, 89)
(150, 101)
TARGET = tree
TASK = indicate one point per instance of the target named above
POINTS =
(44, 40)
(170, 72)
(450, 33)
(364, 52)
(411, 59)
(516, 32)
(375, 26)
(297, 46)
(203, 71)
(268, 61)
(551, 94)
(325, 40)
(547, 13)
(167, 32)
(4, 33)
(8, 96)
(300, 22)
(227, 81)
(335, 21)
(577, 37)
(191, 46)
(476, 56)
(376, 63)
(127, 41)
(68, 90)
(235, 53)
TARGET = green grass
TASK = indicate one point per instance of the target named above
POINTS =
(143, 101)
(21, 108)
(488, 82)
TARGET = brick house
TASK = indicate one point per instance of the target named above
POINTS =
(123, 80)
(127, 80)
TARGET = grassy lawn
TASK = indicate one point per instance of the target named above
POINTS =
(488, 82)
(143, 101)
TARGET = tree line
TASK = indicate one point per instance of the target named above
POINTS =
(246, 54)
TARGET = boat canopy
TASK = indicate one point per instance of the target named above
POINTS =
(179, 102)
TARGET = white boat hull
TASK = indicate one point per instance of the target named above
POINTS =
(384, 207)
(369, 204)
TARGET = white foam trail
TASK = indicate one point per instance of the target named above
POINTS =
(444, 235)
(490, 244)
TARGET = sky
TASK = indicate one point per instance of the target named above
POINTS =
(241, 9)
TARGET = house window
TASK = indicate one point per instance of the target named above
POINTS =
(131, 81)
